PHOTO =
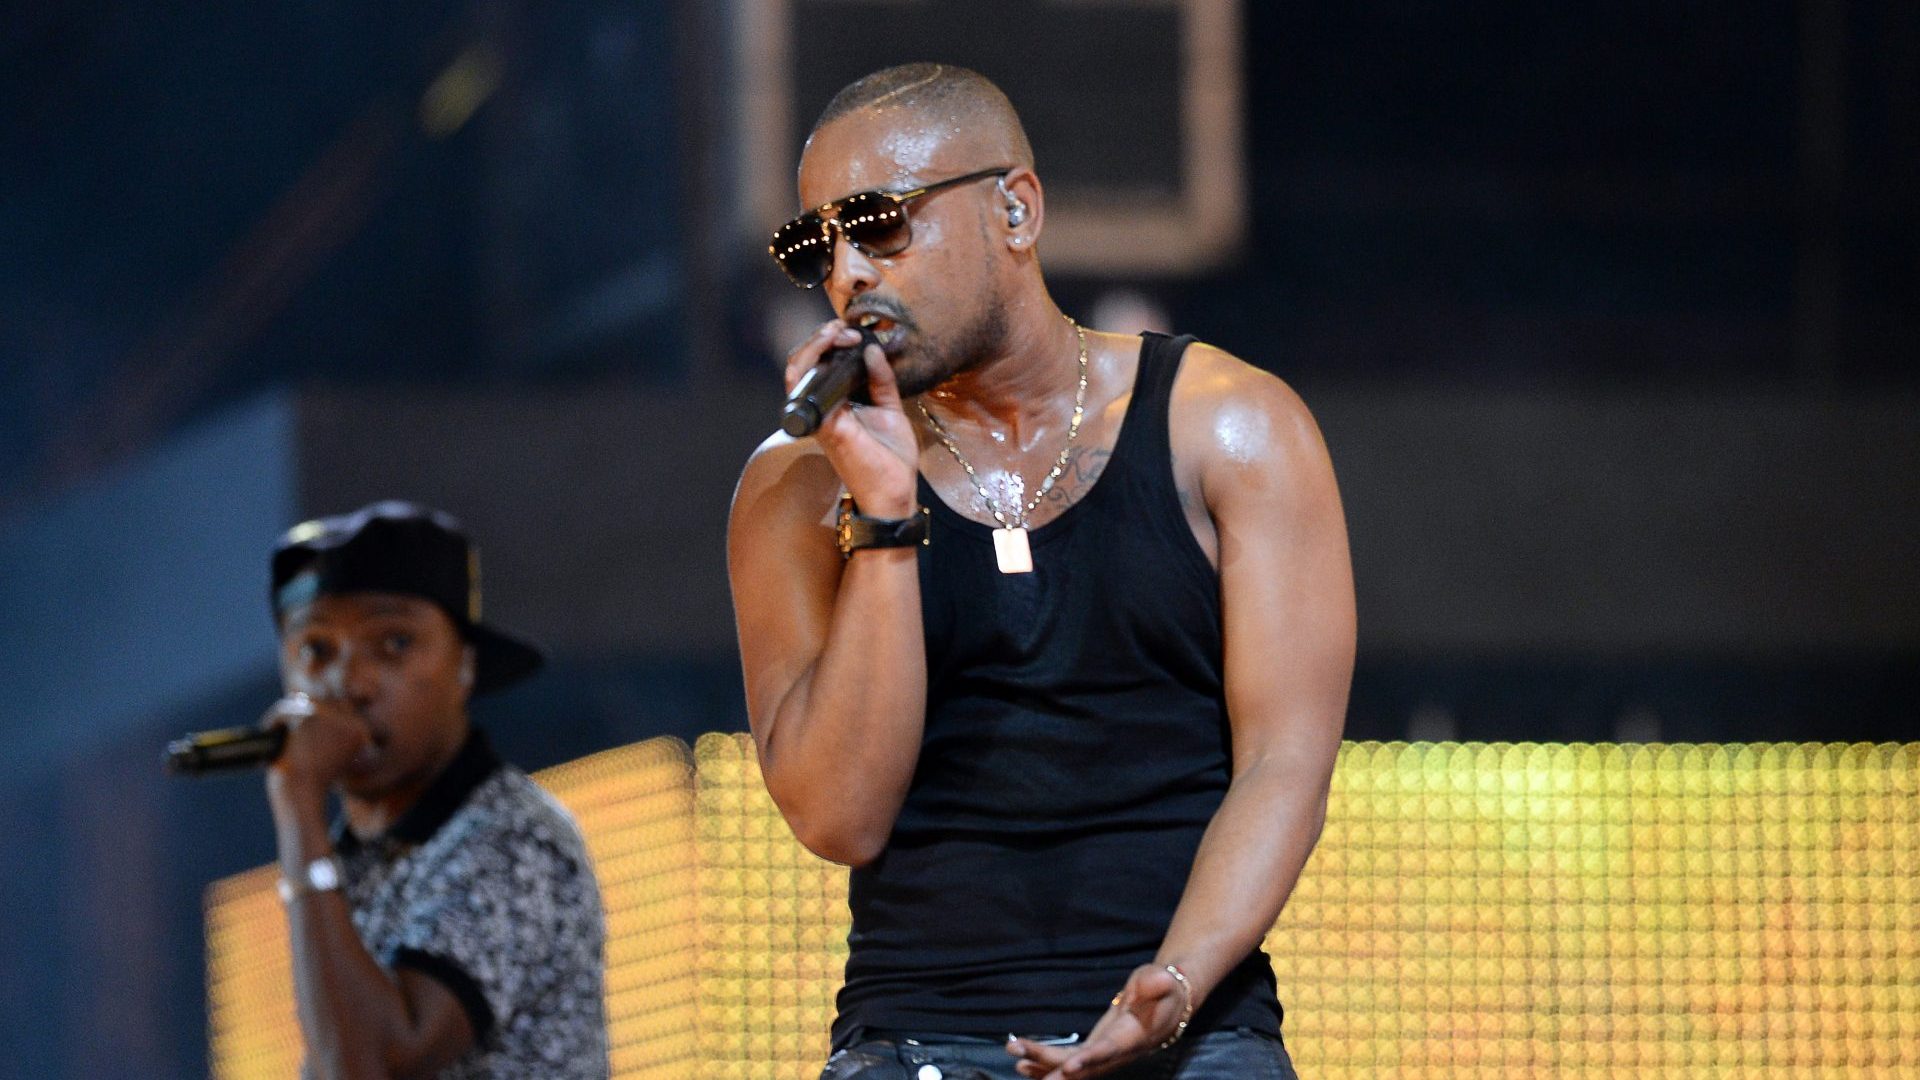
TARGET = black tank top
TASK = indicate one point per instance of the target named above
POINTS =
(1076, 747)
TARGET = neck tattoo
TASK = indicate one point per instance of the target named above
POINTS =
(1010, 547)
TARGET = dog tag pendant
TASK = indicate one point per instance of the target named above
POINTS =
(1010, 550)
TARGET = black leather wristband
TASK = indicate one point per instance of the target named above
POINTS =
(857, 531)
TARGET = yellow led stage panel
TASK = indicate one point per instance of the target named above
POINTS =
(1472, 911)
(773, 927)
(250, 1022)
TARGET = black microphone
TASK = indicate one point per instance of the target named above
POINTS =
(227, 748)
(840, 375)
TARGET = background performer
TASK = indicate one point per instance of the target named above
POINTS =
(450, 924)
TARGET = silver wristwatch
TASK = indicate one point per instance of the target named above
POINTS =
(322, 875)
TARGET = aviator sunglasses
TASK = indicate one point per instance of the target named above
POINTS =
(875, 222)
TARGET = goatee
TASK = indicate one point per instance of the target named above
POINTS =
(979, 342)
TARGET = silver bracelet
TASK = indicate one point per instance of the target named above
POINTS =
(1186, 991)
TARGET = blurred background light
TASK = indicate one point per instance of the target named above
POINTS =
(1398, 955)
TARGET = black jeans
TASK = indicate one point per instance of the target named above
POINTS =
(1234, 1054)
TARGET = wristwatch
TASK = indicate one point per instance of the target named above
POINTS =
(856, 530)
(322, 875)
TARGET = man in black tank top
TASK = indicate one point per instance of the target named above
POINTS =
(1050, 643)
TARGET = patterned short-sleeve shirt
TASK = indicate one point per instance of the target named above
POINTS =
(486, 886)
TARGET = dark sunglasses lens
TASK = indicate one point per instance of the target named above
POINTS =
(875, 223)
(804, 249)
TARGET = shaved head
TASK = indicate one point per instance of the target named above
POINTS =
(945, 295)
(951, 103)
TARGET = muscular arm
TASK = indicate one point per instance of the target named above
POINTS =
(358, 1019)
(1286, 589)
(835, 664)
(1272, 512)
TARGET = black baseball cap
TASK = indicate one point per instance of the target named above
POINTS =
(400, 547)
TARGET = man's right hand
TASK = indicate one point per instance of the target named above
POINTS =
(872, 447)
(324, 738)
(833, 649)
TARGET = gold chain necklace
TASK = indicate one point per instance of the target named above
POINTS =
(1010, 547)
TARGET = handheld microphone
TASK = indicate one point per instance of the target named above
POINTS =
(839, 376)
(225, 749)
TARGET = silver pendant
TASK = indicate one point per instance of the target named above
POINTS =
(1010, 550)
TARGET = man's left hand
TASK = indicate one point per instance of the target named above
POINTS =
(1145, 1014)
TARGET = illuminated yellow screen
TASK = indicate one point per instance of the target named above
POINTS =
(1472, 911)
